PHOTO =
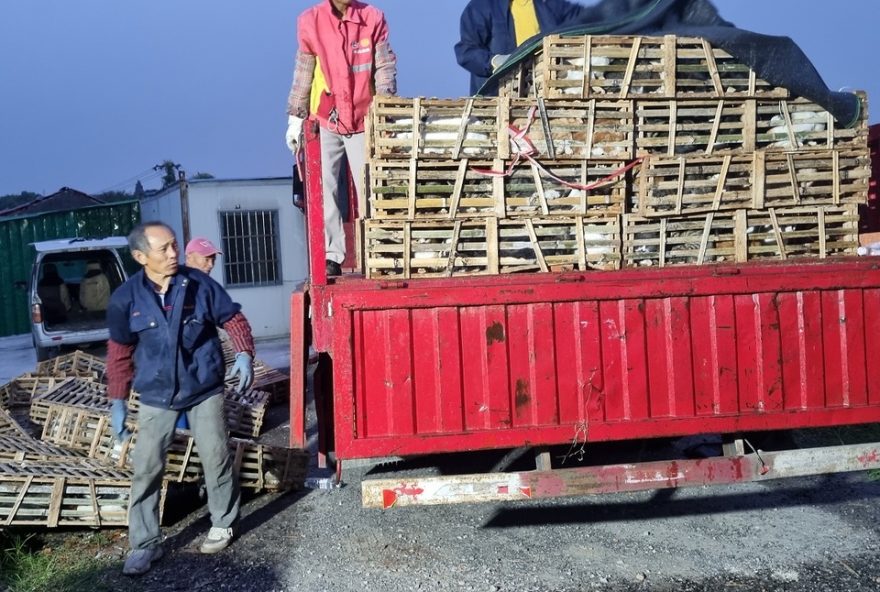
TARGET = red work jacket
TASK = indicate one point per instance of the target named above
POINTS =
(345, 49)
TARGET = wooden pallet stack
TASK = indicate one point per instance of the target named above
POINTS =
(609, 152)
(60, 465)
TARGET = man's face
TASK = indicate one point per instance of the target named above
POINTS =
(160, 261)
(201, 262)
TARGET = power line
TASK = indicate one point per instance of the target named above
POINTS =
(145, 175)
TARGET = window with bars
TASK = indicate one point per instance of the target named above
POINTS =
(251, 252)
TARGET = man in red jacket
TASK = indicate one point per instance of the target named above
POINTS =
(343, 59)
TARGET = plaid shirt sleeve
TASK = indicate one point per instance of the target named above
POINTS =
(386, 62)
(301, 90)
(386, 70)
(239, 330)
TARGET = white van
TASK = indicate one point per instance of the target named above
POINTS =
(71, 282)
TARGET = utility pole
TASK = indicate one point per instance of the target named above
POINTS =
(184, 204)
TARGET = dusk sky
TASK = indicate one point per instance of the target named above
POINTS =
(96, 92)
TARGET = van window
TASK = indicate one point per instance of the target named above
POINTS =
(75, 287)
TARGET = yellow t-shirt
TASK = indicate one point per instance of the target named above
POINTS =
(319, 85)
(525, 20)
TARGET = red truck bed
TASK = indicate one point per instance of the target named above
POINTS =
(434, 366)
(459, 364)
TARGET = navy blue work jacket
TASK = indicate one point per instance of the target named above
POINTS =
(487, 30)
(178, 360)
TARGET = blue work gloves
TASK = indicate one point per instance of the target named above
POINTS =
(118, 412)
(244, 367)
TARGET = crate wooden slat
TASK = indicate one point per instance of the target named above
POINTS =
(447, 190)
(675, 186)
(742, 235)
(64, 494)
(735, 126)
(489, 246)
(633, 67)
(78, 364)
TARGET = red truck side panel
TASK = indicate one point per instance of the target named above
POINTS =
(504, 361)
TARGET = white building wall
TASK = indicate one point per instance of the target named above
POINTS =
(266, 307)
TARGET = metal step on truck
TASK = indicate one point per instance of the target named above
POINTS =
(567, 270)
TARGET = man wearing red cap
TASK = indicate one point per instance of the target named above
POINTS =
(201, 254)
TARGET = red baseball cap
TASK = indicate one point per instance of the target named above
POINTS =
(202, 246)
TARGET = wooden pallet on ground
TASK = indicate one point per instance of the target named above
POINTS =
(259, 467)
(633, 67)
(741, 235)
(9, 426)
(19, 391)
(684, 185)
(75, 392)
(21, 447)
(449, 190)
(76, 364)
(490, 246)
(64, 494)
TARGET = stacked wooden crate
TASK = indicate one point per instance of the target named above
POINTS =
(61, 466)
(610, 152)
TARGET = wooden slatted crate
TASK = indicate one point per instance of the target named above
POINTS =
(633, 67)
(245, 411)
(479, 128)
(576, 129)
(19, 391)
(742, 235)
(731, 126)
(64, 494)
(437, 190)
(675, 186)
(75, 392)
(9, 426)
(490, 246)
(268, 468)
(259, 467)
(21, 447)
(77, 364)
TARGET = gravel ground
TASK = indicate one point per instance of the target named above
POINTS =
(798, 535)
(793, 535)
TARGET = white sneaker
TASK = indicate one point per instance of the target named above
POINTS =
(140, 560)
(217, 540)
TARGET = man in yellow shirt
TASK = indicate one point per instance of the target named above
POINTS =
(492, 29)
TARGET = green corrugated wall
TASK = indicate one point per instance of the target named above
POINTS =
(17, 254)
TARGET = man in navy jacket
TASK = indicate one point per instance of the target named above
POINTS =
(494, 28)
(163, 343)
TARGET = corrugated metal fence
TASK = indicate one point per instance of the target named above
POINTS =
(17, 234)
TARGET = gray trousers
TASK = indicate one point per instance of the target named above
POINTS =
(154, 436)
(333, 148)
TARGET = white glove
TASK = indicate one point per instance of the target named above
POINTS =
(498, 60)
(294, 131)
